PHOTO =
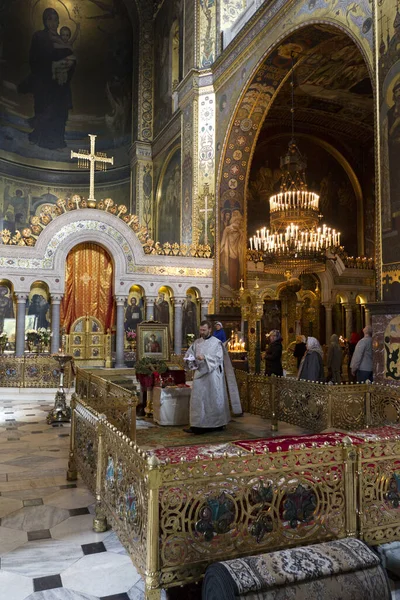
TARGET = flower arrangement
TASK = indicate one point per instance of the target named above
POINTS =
(32, 336)
(44, 335)
(130, 335)
(148, 366)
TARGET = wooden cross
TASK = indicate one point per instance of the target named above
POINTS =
(93, 161)
(206, 210)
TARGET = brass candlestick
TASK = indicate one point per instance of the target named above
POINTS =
(61, 413)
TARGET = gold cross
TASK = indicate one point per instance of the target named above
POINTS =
(92, 160)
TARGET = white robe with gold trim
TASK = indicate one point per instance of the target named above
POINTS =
(209, 404)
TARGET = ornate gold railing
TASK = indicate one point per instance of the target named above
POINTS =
(317, 406)
(176, 516)
(378, 469)
(110, 399)
(32, 372)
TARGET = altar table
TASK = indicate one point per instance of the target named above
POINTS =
(171, 405)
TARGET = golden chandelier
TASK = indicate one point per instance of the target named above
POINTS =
(296, 241)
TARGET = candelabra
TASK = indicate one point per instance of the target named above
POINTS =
(61, 413)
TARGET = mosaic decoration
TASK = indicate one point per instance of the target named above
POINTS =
(299, 506)
(262, 496)
(230, 11)
(187, 174)
(393, 494)
(208, 12)
(392, 349)
(216, 517)
(389, 78)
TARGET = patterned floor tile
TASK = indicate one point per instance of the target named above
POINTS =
(10, 539)
(78, 530)
(60, 594)
(115, 574)
(14, 587)
(8, 506)
(47, 583)
(70, 498)
(42, 558)
(40, 534)
(93, 548)
(32, 518)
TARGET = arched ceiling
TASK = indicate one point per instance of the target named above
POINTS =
(333, 95)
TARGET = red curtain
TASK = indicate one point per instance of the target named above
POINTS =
(88, 286)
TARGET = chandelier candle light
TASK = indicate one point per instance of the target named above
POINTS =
(295, 241)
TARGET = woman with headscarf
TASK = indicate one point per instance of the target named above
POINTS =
(334, 361)
(299, 349)
(273, 354)
(312, 366)
(219, 332)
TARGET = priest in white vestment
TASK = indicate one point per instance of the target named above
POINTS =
(209, 403)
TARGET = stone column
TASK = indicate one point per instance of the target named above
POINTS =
(349, 320)
(55, 322)
(20, 324)
(328, 322)
(204, 309)
(178, 325)
(120, 333)
(150, 300)
(367, 317)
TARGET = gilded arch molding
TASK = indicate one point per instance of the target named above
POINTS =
(251, 109)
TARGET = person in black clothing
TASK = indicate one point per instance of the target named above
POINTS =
(273, 354)
(299, 349)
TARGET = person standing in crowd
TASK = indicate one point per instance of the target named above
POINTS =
(273, 354)
(219, 332)
(209, 404)
(361, 362)
(352, 343)
(312, 365)
(334, 362)
(299, 349)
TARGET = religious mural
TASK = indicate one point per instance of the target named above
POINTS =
(167, 19)
(190, 316)
(19, 201)
(134, 308)
(38, 306)
(325, 176)
(162, 306)
(6, 304)
(187, 175)
(53, 88)
(169, 201)
(389, 74)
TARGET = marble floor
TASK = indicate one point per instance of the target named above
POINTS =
(48, 550)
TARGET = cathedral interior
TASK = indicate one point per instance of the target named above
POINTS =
(163, 162)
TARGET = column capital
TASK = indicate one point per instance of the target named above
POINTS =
(21, 296)
(151, 299)
(140, 151)
(120, 300)
(177, 300)
(327, 305)
(56, 298)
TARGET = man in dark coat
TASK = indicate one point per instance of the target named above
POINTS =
(273, 354)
